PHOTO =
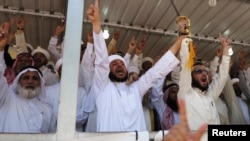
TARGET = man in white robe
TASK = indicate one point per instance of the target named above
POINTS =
(196, 90)
(53, 97)
(23, 107)
(118, 105)
(86, 72)
(41, 57)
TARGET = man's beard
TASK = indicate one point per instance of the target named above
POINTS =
(28, 93)
(196, 84)
(172, 104)
(112, 77)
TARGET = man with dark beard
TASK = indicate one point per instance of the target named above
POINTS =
(196, 90)
(118, 105)
(164, 99)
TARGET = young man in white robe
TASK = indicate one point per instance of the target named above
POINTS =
(53, 97)
(118, 105)
(196, 89)
(41, 57)
(86, 72)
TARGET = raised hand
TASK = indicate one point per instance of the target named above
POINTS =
(94, 16)
(132, 45)
(141, 46)
(59, 30)
(21, 22)
(242, 54)
(219, 52)
(11, 37)
(225, 44)
(4, 30)
(117, 34)
(90, 37)
(143, 42)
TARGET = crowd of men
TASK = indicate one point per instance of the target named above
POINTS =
(121, 91)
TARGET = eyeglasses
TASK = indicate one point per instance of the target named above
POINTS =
(200, 71)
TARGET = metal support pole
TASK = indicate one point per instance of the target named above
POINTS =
(70, 71)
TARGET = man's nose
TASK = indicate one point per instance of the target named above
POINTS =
(30, 81)
(120, 64)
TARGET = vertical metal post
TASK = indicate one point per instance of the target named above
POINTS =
(70, 71)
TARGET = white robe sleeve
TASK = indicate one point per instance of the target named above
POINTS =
(219, 79)
(52, 48)
(175, 74)
(157, 97)
(4, 89)
(159, 70)
(101, 75)
(21, 42)
(112, 46)
(127, 58)
(49, 77)
(244, 86)
(185, 73)
(234, 111)
(134, 61)
(157, 90)
(87, 68)
(214, 64)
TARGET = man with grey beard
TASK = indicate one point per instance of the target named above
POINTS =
(23, 107)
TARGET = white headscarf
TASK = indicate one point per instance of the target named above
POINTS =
(42, 94)
(41, 50)
(147, 59)
(58, 64)
(114, 57)
(133, 69)
(234, 80)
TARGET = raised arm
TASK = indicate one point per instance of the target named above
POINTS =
(3, 82)
(160, 69)
(19, 34)
(219, 79)
(54, 49)
(131, 48)
(101, 54)
(87, 64)
(215, 62)
(185, 73)
(112, 44)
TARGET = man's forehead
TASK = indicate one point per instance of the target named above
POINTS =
(199, 67)
(117, 60)
(39, 54)
(147, 62)
(24, 55)
(30, 73)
